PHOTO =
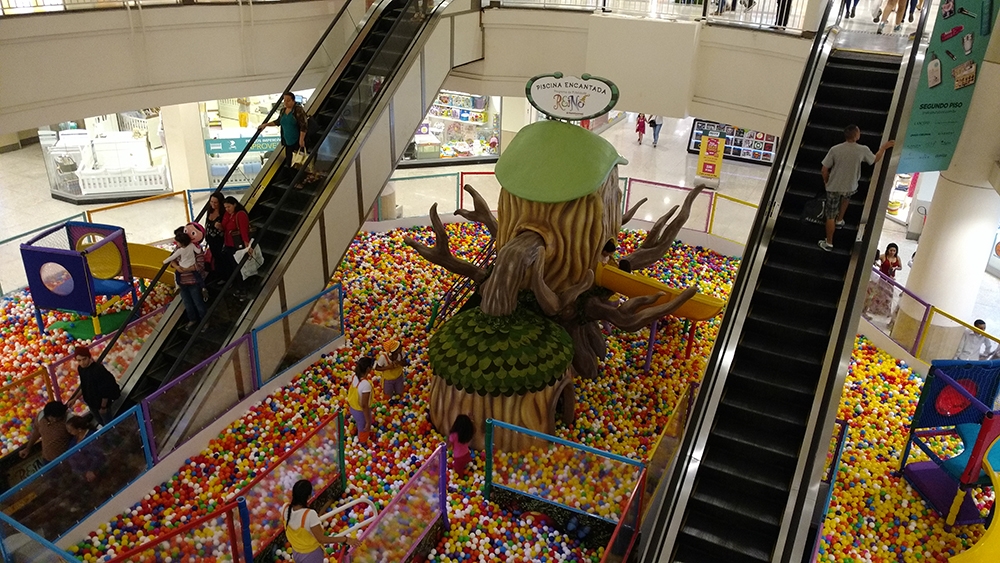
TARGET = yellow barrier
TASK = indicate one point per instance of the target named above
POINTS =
(183, 194)
(930, 317)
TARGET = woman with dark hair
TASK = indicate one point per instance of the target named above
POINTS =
(89, 461)
(293, 122)
(236, 235)
(304, 529)
(461, 433)
(214, 235)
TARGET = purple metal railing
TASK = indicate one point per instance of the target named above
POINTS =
(923, 321)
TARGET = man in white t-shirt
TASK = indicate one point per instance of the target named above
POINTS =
(974, 346)
(841, 172)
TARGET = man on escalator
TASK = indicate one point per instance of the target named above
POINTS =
(841, 172)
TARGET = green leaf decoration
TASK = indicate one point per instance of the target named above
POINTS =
(521, 353)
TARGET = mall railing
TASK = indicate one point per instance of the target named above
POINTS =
(170, 210)
(599, 503)
(409, 526)
(833, 456)
(29, 7)
(762, 14)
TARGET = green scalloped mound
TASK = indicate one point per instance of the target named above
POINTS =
(520, 353)
(553, 161)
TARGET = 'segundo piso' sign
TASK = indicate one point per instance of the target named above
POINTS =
(571, 98)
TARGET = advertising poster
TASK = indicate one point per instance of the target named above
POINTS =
(952, 61)
(713, 146)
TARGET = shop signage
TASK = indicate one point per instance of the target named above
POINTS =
(571, 98)
(220, 146)
(713, 145)
(952, 62)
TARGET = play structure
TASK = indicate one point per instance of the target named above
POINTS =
(987, 549)
(536, 320)
(72, 264)
(956, 401)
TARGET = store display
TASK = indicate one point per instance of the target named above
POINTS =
(458, 126)
(741, 144)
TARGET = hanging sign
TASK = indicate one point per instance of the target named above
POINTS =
(713, 146)
(220, 146)
(953, 58)
(571, 98)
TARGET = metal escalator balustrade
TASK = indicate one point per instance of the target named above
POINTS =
(280, 202)
(750, 463)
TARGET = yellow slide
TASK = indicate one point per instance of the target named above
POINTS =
(987, 549)
(698, 308)
(147, 260)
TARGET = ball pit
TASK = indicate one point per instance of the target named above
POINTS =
(25, 350)
(874, 517)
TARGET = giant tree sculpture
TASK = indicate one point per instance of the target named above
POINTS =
(539, 319)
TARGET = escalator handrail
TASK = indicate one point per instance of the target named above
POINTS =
(298, 176)
(274, 108)
(742, 286)
(159, 274)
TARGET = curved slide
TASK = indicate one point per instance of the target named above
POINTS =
(698, 308)
(146, 260)
(987, 549)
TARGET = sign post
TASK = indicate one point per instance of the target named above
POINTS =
(713, 145)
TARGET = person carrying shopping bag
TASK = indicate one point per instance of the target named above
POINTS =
(293, 121)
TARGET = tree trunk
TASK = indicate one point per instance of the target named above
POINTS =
(500, 289)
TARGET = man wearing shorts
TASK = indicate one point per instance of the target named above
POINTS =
(841, 172)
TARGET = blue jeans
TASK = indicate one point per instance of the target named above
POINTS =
(656, 132)
(194, 306)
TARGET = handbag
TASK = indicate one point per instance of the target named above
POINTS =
(253, 263)
(299, 158)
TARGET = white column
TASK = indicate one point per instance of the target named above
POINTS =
(185, 146)
(515, 114)
(961, 223)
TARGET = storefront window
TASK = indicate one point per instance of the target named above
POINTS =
(228, 125)
(459, 127)
(113, 157)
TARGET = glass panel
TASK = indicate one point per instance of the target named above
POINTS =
(415, 196)
(626, 531)
(316, 458)
(208, 541)
(733, 219)
(21, 545)
(298, 333)
(69, 490)
(198, 199)
(563, 475)
(401, 525)
(25, 397)
(200, 396)
(661, 197)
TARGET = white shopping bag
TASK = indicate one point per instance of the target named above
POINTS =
(253, 264)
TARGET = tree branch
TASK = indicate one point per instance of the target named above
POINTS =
(440, 253)
(662, 235)
(481, 212)
(631, 212)
(548, 300)
(637, 312)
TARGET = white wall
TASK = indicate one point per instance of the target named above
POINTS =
(64, 66)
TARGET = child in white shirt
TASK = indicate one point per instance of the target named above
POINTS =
(186, 256)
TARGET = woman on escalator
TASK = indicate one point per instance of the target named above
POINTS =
(293, 122)
(236, 236)
(214, 235)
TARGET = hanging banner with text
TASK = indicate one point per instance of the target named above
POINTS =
(713, 146)
(953, 59)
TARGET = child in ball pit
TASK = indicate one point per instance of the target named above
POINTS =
(459, 437)
(359, 398)
(390, 365)
(304, 529)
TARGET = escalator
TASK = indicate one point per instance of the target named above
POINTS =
(283, 203)
(745, 490)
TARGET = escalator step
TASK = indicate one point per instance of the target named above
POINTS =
(832, 92)
(828, 135)
(812, 307)
(798, 282)
(732, 465)
(722, 545)
(845, 72)
(862, 117)
(757, 510)
(783, 447)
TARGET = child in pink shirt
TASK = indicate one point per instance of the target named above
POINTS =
(459, 437)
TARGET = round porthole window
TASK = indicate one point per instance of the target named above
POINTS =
(56, 278)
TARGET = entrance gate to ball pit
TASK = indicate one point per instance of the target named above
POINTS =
(593, 496)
